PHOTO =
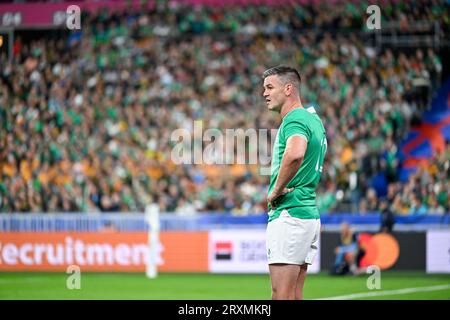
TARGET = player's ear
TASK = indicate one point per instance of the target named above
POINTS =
(288, 89)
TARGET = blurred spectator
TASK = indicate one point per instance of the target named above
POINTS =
(387, 217)
(346, 252)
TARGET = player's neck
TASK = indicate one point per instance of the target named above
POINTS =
(289, 106)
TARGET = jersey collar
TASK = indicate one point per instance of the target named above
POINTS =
(311, 110)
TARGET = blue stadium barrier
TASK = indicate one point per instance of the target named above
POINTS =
(82, 222)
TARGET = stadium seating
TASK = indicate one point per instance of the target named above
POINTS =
(87, 116)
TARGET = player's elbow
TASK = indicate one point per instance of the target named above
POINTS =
(297, 159)
(297, 162)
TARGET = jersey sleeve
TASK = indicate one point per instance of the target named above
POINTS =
(297, 127)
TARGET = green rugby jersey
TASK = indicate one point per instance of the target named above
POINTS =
(301, 202)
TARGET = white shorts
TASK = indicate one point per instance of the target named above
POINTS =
(292, 240)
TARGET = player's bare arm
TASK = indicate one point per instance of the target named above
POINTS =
(290, 163)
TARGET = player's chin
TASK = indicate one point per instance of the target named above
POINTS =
(272, 107)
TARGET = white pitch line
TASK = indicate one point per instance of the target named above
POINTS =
(388, 292)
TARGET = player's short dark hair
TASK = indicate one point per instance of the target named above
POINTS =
(286, 72)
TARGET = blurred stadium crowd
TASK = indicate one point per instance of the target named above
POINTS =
(86, 118)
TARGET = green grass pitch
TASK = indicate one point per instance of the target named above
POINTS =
(394, 285)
